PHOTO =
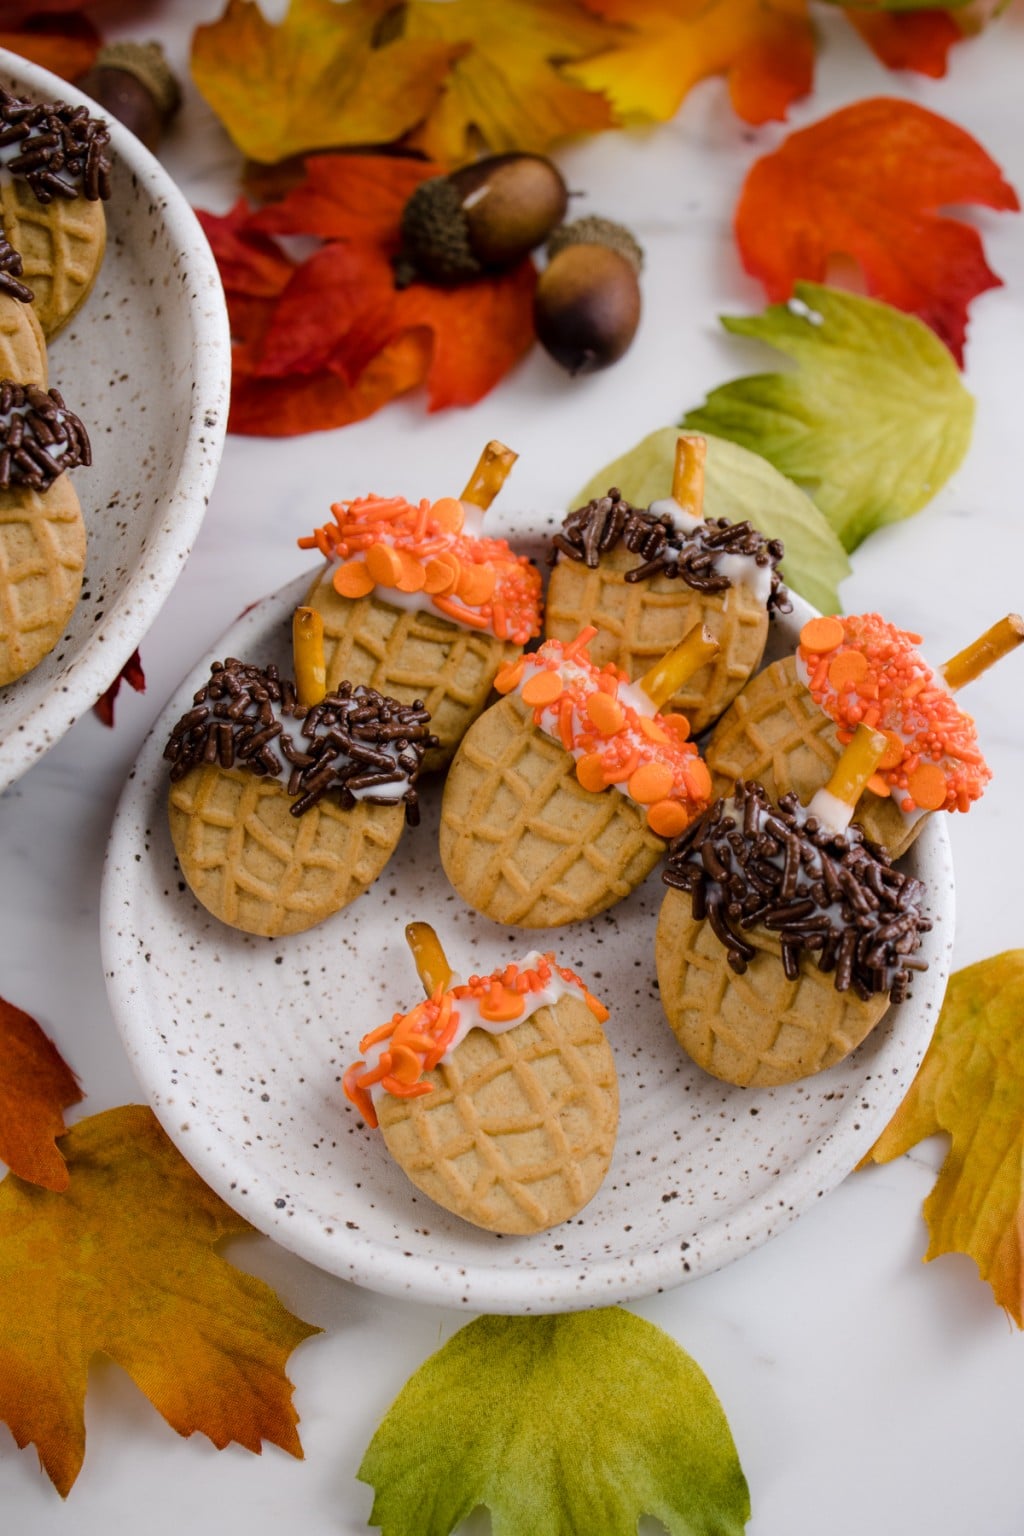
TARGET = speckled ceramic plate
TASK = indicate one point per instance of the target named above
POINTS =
(146, 364)
(240, 1044)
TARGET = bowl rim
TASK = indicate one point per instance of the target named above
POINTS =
(101, 656)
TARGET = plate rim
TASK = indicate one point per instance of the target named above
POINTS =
(490, 1285)
(105, 651)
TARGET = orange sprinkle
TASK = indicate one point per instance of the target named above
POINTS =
(542, 688)
(441, 573)
(650, 783)
(412, 577)
(667, 818)
(878, 786)
(655, 732)
(606, 712)
(848, 669)
(384, 565)
(353, 580)
(451, 514)
(676, 725)
(590, 772)
(476, 584)
(698, 779)
(509, 675)
(500, 1004)
(822, 634)
(893, 754)
(927, 784)
(621, 773)
(459, 614)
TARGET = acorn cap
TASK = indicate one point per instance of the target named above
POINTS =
(148, 63)
(593, 230)
(435, 236)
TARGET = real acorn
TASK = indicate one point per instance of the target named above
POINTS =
(481, 218)
(586, 307)
(135, 83)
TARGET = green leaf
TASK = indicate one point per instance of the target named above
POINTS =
(561, 1426)
(871, 425)
(739, 485)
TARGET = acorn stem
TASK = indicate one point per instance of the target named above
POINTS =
(429, 957)
(688, 473)
(668, 675)
(491, 472)
(997, 641)
(308, 656)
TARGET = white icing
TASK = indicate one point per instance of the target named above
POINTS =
(467, 1012)
(421, 602)
(832, 812)
(393, 791)
(739, 570)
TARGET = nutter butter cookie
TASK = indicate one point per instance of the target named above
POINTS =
(418, 602)
(55, 173)
(42, 534)
(644, 577)
(559, 797)
(498, 1097)
(282, 813)
(784, 935)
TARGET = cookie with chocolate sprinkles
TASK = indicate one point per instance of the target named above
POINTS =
(781, 944)
(55, 174)
(282, 814)
(645, 577)
(42, 533)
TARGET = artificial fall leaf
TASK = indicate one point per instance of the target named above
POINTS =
(330, 340)
(65, 44)
(873, 422)
(867, 182)
(132, 674)
(765, 48)
(917, 40)
(581, 1422)
(971, 1085)
(36, 1085)
(741, 486)
(124, 1257)
(507, 89)
(316, 80)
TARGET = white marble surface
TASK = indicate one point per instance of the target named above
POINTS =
(866, 1391)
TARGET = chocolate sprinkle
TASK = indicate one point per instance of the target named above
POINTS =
(62, 151)
(749, 864)
(666, 550)
(11, 268)
(354, 740)
(39, 437)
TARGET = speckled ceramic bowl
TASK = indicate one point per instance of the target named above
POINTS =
(240, 1044)
(146, 364)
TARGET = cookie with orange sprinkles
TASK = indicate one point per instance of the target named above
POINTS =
(789, 725)
(561, 794)
(419, 603)
(498, 1097)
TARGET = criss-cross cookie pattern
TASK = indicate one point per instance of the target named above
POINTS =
(42, 556)
(257, 867)
(522, 841)
(774, 732)
(410, 656)
(61, 245)
(640, 621)
(22, 347)
(519, 1129)
(757, 1029)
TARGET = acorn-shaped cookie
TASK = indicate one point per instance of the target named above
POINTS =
(560, 795)
(282, 812)
(54, 176)
(497, 1097)
(645, 578)
(784, 936)
(419, 604)
(789, 725)
(42, 535)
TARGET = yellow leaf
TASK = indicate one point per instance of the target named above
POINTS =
(315, 81)
(971, 1084)
(124, 1258)
(764, 47)
(506, 91)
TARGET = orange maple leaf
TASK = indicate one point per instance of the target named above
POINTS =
(971, 1085)
(918, 40)
(328, 341)
(508, 89)
(317, 79)
(36, 1084)
(765, 48)
(125, 1258)
(866, 182)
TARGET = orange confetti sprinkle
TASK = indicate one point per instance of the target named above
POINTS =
(651, 782)
(476, 584)
(384, 565)
(848, 669)
(440, 575)
(821, 634)
(501, 1005)
(353, 580)
(606, 712)
(590, 772)
(449, 513)
(542, 688)
(667, 818)
(927, 784)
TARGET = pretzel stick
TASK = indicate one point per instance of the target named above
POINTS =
(834, 803)
(308, 653)
(976, 658)
(490, 474)
(688, 474)
(668, 675)
(429, 958)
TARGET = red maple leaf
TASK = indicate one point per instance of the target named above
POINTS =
(330, 339)
(132, 674)
(867, 183)
(917, 40)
